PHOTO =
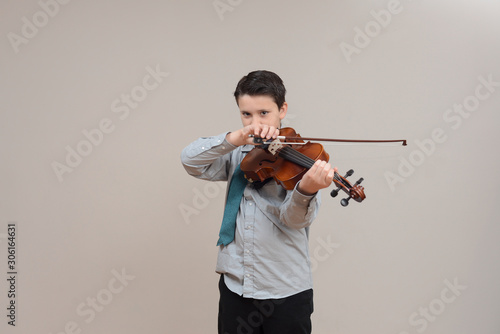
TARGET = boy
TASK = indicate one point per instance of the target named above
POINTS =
(266, 282)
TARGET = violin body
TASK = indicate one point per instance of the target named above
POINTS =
(287, 160)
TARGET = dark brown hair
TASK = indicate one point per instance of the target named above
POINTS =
(262, 83)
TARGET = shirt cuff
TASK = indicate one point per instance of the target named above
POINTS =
(217, 145)
(299, 197)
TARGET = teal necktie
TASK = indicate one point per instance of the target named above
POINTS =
(236, 188)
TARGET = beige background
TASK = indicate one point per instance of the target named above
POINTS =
(128, 208)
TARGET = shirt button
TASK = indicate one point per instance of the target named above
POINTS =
(247, 251)
(247, 275)
(223, 147)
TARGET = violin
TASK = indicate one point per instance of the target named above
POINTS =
(286, 160)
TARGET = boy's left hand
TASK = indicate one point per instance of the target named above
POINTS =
(319, 176)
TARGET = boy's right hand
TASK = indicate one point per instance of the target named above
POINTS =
(242, 136)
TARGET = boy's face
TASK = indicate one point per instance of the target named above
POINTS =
(260, 109)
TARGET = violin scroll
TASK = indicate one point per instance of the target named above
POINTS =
(355, 191)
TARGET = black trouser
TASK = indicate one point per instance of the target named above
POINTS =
(238, 315)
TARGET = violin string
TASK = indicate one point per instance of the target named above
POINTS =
(307, 161)
(292, 156)
(341, 180)
(297, 157)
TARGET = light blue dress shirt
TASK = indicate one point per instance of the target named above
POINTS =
(269, 257)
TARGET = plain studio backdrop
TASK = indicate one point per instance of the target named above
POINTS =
(110, 235)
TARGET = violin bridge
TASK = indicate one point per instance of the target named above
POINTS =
(275, 146)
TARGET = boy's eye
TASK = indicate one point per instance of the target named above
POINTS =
(264, 113)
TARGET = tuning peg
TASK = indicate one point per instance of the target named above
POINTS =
(358, 181)
(345, 201)
(335, 192)
(349, 173)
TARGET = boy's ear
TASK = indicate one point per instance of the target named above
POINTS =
(283, 110)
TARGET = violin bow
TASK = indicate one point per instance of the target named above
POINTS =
(403, 141)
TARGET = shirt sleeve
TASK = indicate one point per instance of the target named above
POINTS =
(207, 158)
(299, 210)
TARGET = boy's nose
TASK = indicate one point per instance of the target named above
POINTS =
(255, 121)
